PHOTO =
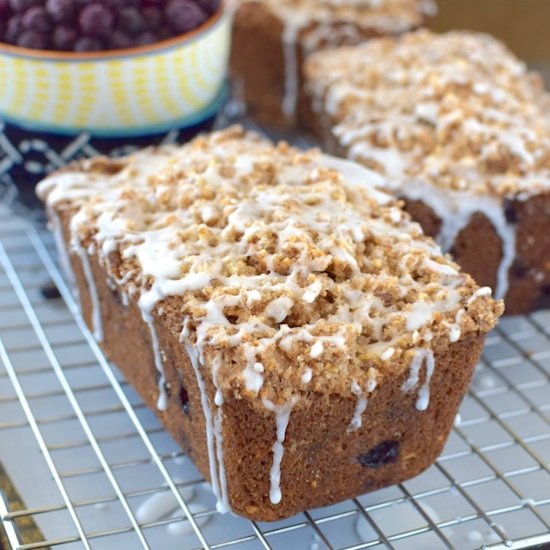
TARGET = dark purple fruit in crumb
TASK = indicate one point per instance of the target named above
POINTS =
(64, 38)
(130, 20)
(96, 20)
(50, 292)
(88, 44)
(510, 212)
(32, 40)
(20, 6)
(184, 15)
(384, 453)
(61, 11)
(184, 400)
(37, 19)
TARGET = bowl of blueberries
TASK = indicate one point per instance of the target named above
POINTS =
(85, 77)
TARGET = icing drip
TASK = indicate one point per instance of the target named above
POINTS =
(160, 505)
(97, 323)
(356, 421)
(420, 357)
(162, 401)
(224, 505)
(290, 98)
(64, 258)
(214, 440)
(362, 401)
(282, 418)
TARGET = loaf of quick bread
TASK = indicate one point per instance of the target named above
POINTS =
(293, 329)
(460, 129)
(272, 37)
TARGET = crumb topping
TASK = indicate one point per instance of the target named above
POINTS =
(293, 263)
(456, 110)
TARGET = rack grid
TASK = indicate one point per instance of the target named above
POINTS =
(94, 468)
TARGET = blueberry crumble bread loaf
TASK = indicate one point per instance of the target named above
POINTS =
(272, 37)
(294, 330)
(460, 130)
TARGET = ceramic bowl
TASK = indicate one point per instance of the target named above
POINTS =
(59, 106)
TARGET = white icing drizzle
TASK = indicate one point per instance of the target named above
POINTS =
(356, 421)
(64, 258)
(362, 401)
(214, 439)
(420, 357)
(162, 401)
(160, 505)
(97, 322)
(290, 98)
(282, 418)
(316, 349)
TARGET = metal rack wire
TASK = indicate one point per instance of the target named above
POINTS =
(94, 469)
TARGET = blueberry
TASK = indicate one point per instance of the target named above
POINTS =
(4, 10)
(131, 21)
(20, 6)
(510, 211)
(120, 40)
(116, 5)
(61, 11)
(37, 19)
(50, 291)
(184, 15)
(96, 20)
(64, 38)
(184, 400)
(384, 453)
(145, 39)
(14, 29)
(154, 18)
(88, 44)
(32, 40)
(209, 6)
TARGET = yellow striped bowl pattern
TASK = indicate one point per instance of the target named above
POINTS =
(153, 89)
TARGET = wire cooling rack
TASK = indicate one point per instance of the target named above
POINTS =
(93, 468)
